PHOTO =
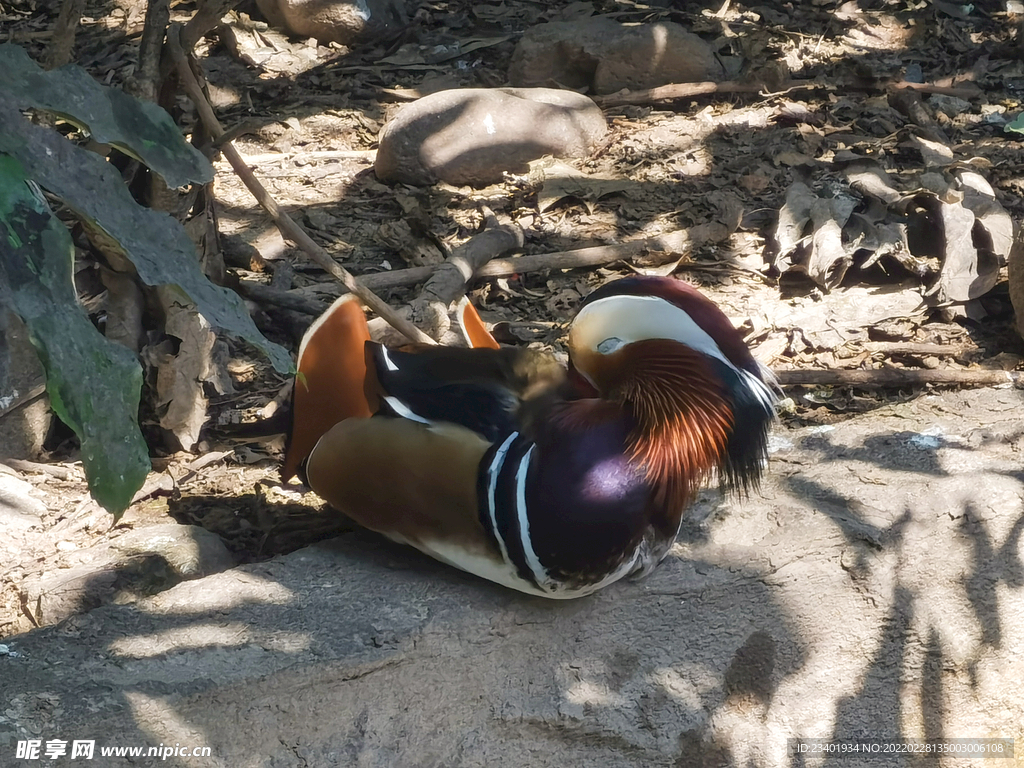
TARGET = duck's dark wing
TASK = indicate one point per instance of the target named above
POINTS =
(481, 389)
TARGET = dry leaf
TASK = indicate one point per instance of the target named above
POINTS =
(810, 236)
(992, 218)
(843, 314)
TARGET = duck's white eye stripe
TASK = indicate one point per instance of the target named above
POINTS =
(613, 322)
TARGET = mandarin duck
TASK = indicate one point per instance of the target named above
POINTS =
(553, 481)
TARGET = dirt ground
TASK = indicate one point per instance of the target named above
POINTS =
(307, 118)
(874, 589)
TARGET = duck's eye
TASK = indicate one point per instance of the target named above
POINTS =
(610, 345)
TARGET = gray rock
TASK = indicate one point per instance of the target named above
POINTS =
(474, 135)
(18, 508)
(144, 561)
(875, 589)
(604, 56)
(336, 21)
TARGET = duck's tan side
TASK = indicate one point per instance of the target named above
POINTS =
(413, 482)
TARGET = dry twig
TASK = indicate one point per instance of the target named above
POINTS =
(146, 79)
(897, 377)
(675, 91)
(658, 250)
(28, 467)
(448, 283)
(285, 223)
(891, 348)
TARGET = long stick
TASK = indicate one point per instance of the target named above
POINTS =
(674, 91)
(288, 227)
(898, 377)
(672, 244)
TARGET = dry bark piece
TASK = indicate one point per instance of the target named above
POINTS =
(448, 284)
(605, 56)
(181, 369)
(25, 415)
(475, 135)
(336, 21)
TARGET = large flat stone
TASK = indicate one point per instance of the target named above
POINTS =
(604, 56)
(875, 589)
(476, 135)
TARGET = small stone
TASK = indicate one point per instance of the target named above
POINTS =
(336, 21)
(18, 508)
(606, 56)
(475, 135)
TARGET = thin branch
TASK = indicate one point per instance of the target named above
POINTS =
(289, 229)
(679, 91)
(448, 283)
(913, 348)
(31, 467)
(897, 377)
(146, 78)
(298, 158)
(59, 52)
(650, 251)
(206, 18)
(266, 294)
(675, 91)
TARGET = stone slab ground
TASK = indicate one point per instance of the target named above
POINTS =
(875, 589)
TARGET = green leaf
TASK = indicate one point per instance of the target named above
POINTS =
(155, 243)
(1016, 125)
(138, 128)
(94, 384)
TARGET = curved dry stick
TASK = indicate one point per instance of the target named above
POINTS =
(448, 283)
(284, 222)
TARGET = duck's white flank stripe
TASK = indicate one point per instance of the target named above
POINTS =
(404, 411)
(387, 359)
(539, 571)
(492, 483)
